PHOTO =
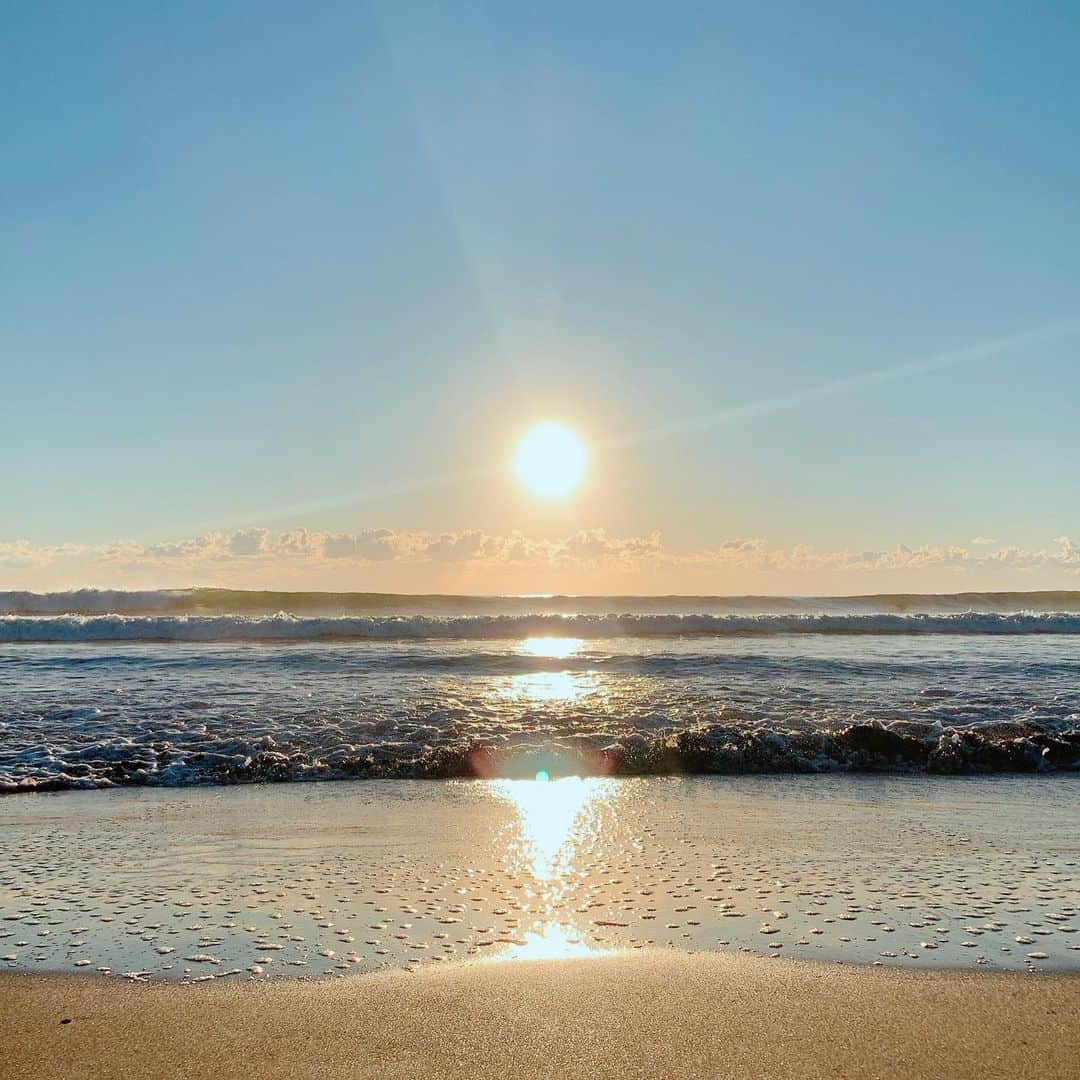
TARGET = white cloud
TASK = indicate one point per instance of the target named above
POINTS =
(22, 555)
(371, 545)
(249, 542)
(260, 558)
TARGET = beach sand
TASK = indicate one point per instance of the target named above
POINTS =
(651, 1014)
(523, 929)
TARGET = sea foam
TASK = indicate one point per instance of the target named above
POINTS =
(284, 627)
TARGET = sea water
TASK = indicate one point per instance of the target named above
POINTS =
(169, 689)
(572, 736)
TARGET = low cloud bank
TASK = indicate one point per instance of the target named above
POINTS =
(261, 558)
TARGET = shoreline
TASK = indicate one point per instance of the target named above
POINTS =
(558, 764)
(656, 1013)
(318, 879)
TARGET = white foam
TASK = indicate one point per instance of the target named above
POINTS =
(287, 627)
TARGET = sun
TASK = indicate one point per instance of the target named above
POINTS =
(550, 460)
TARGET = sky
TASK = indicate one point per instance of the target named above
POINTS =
(285, 284)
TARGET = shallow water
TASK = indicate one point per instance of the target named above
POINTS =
(97, 715)
(322, 880)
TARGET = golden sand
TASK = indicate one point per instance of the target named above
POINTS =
(651, 1014)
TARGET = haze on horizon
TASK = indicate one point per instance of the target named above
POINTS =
(285, 289)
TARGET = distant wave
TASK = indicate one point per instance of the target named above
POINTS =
(202, 601)
(286, 627)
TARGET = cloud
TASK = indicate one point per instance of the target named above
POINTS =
(455, 547)
(248, 542)
(1066, 557)
(372, 545)
(597, 545)
(299, 542)
(195, 547)
(22, 555)
(514, 559)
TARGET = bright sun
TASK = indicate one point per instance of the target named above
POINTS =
(550, 460)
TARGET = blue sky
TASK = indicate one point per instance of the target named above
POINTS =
(285, 266)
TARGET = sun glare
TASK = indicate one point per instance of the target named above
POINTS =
(553, 817)
(554, 648)
(550, 460)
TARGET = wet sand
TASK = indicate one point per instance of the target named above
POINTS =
(661, 1014)
(673, 928)
(316, 880)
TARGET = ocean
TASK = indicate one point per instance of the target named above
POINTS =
(209, 687)
(532, 780)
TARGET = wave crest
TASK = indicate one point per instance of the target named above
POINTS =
(291, 628)
(715, 748)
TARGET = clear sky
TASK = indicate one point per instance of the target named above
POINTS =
(284, 284)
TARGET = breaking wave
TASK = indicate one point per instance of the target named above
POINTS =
(292, 628)
(716, 748)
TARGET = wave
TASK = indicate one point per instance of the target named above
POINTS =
(203, 601)
(284, 627)
(710, 748)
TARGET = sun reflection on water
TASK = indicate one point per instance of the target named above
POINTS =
(553, 821)
(552, 941)
(557, 648)
(553, 816)
(550, 686)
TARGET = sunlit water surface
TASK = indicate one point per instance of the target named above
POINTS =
(324, 880)
(78, 715)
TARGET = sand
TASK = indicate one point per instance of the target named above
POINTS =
(648, 1014)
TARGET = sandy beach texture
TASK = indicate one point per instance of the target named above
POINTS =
(652, 1014)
